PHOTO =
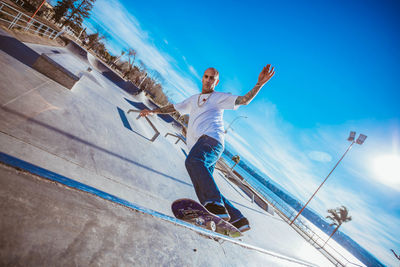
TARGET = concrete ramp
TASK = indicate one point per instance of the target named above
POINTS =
(107, 170)
(97, 64)
(91, 60)
(77, 50)
(57, 222)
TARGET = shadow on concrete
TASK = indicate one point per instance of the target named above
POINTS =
(141, 106)
(247, 207)
(138, 105)
(78, 139)
(18, 50)
(89, 76)
(104, 69)
(126, 123)
(124, 119)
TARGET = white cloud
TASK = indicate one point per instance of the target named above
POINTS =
(319, 156)
(278, 150)
(194, 72)
(125, 28)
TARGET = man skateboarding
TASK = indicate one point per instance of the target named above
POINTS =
(205, 139)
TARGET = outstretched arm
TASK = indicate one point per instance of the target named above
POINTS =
(164, 110)
(263, 78)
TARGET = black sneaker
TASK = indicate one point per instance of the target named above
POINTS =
(242, 224)
(218, 210)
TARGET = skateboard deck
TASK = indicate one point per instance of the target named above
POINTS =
(193, 212)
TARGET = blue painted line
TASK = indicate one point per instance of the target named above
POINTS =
(184, 152)
(44, 173)
(52, 176)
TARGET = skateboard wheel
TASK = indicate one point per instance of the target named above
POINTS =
(211, 226)
(199, 221)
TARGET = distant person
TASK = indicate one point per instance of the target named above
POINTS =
(205, 139)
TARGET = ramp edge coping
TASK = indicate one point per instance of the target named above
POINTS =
(52, 176)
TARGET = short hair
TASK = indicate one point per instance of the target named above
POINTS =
(215, 71)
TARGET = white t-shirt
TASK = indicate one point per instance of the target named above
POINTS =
(205, 115)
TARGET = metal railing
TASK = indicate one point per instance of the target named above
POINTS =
(179, 138)
(301, 227)
(17, 19)
(156, 132)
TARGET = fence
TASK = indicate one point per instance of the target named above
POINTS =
(17, 19)
(301, 227)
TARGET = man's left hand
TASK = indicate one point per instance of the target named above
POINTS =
(265, 75)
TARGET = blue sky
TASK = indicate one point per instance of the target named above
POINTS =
(337, 65)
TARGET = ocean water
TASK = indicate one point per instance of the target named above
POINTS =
(319, 236)
(259, 187)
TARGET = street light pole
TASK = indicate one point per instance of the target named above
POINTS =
(360, 140)
(145, 76)
(36, 11)
(230, 124)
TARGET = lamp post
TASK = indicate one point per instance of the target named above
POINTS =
(360, 140)
(145, 76)
(230, 124)
(36, 11)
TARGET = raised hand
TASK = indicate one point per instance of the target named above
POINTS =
(145, 112)
(263, 78)
(266, 74)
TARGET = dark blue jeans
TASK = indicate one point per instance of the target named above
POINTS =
(200, 164)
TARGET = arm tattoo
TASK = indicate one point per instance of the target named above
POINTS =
(167, 109)
(247, 98)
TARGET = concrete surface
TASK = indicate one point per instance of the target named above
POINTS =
(86, 134)
(51, 225)
(55, 71)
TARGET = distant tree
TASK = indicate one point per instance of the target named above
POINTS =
(111, 59)
(235, 159)
(78, 11)
(32, 5)
(35, 3)
(61, 9)
(117, 58)
(77, 28)
(83, 35)
(94, 40)
(157, 77)
(338, 217)
(140, 76)
(131, 59)
(142, 66)
(101, 50)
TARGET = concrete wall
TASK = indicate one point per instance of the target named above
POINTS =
(54, 71)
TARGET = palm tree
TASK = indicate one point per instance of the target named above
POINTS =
(235, 159)
(338, 217)
(117, 58)
(131, 59)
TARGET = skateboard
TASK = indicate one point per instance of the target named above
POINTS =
(193, 212)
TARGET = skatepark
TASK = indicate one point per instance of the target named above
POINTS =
(85, 182)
